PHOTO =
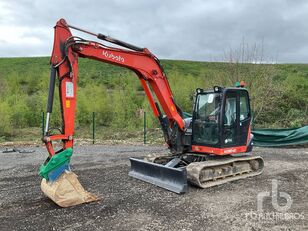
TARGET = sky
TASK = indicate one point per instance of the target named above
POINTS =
(201, 30)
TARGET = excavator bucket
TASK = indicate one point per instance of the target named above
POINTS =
(60, 184)
(66, 191)
(172, 179)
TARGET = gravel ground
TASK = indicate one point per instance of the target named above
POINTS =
(129, 204)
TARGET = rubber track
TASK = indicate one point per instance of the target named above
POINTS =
(195, 169)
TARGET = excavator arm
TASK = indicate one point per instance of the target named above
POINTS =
(64, 63)
(59, 183)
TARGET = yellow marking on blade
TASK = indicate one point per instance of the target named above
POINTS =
(172, 108)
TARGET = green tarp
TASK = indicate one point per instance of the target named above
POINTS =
(186, 115)
(280, 137)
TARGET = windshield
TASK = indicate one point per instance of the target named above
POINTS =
(208, 107)
(206, 118)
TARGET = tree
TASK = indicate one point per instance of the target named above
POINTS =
(247, 63)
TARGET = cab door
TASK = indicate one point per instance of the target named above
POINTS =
(244, 117)
(235, 117)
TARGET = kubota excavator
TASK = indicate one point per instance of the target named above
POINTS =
(210, 148)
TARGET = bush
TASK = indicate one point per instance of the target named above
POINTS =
(6, 128)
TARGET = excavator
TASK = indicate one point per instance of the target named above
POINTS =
(211, 147)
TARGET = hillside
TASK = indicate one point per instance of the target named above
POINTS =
(279, 93)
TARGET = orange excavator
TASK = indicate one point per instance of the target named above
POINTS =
(211, 147)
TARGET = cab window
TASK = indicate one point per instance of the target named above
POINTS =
(244, 106)
(206, 119)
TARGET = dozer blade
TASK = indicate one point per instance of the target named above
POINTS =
(172, 179)
(66, 191)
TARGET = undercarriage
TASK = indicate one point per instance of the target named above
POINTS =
(204, 171)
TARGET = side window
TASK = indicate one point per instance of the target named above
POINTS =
(244, 106)
(230, 128)
(230, 109)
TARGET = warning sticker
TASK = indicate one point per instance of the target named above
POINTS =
(69, 90)
(68, 103)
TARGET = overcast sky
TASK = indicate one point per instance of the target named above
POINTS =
(172, 29)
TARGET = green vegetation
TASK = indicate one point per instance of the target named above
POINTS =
(279, 93)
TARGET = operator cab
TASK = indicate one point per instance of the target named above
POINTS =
(221, 117)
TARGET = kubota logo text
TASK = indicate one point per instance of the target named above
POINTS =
(113, 57)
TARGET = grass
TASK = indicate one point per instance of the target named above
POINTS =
(103, 135)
